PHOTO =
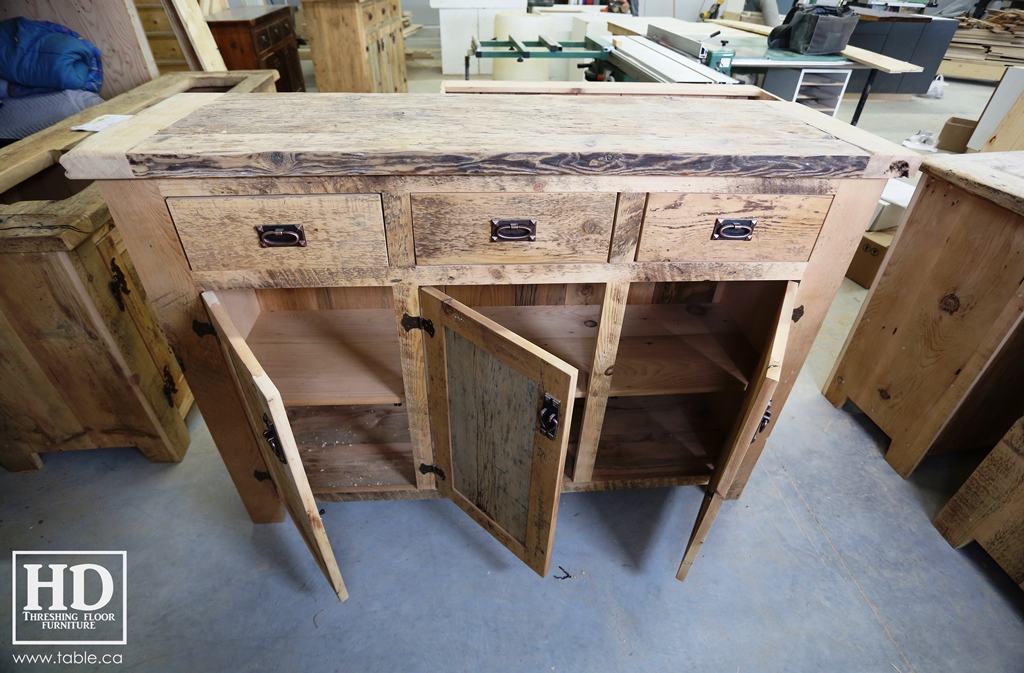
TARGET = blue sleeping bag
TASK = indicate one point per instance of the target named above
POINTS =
(37, 56)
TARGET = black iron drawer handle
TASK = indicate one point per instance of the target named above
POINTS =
(281, 235)
(733, 230)
(513, 230)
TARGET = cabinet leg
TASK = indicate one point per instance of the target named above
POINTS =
(19, 459)
(833, 392)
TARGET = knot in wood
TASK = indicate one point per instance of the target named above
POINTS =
(883, 393)
(950, 304)
(590, 323)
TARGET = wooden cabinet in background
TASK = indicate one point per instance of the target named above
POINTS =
(83, 360)
(357, 45)
(936, 355)
(259, 38)
(432, 302)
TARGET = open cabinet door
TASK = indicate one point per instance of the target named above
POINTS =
(499, 415)
(753, 414)
(269, 421)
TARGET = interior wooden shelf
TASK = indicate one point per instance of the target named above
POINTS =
(664, 348)
(354, 449)
(327, 357)
(665, 440)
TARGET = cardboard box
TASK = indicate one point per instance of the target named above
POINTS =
(869, 256)
(895, 199)
(955, 134)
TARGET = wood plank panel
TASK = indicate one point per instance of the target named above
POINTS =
(457, 228)
(989, 507)
(342, 230)
(528, 369)
(359, 347)
(934, 319)
(680, 226)
(265, 412)
(160, 261)
(295, 134)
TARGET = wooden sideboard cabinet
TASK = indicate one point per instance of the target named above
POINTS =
(418, 299)
(83, 359)
(257, 38)
(357, 45)
(935, 355)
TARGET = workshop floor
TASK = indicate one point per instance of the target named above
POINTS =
(827, 563)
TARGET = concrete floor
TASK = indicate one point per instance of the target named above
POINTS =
(828, 562)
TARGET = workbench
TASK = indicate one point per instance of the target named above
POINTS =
(417, 299)
(753, 55)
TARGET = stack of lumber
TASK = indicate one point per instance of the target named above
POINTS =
(983, 49)
(408, 27)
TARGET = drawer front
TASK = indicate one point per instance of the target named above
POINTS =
(459, 228)
(219, 233)
(682, 227)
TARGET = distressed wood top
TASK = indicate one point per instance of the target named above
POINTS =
(996, 176)
(196, 135)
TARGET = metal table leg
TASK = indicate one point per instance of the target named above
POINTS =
(864, 96)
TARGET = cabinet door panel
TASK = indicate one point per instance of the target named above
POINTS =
(758, 398)
(263, 406)
(488, 390)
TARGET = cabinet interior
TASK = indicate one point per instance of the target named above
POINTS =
(686, 354)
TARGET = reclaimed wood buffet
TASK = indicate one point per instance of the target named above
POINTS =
(383, 297)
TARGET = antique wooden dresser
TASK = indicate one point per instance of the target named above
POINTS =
(413, 296)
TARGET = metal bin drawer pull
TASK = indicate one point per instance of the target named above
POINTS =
(733, 230)
(514, 230)
(281, 235)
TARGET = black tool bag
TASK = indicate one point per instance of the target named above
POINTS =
(814, 30)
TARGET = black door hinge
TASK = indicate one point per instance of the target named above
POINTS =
(118, 284)
(270, 434)
(765, 420)
(432, 469)
(169, 387)
(410, 323)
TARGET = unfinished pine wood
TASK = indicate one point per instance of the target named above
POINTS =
(599, 382)
(489, 384)
(949, 296)
(657, 437)
(265, 411)
(160, 260)
(353, 449)
(989, 507)
(854, 201)
(414, 374)
(747, 427)
(357, 45)
(293, 134)
(194, 36)
(458, 228)
(359, 346)
(680, 226)
(629, 214)
(218, 233)
(688, 342)
(608, 89)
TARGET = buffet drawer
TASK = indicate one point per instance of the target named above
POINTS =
(280, 232)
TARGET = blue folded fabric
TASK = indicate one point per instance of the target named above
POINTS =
(39, 56)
